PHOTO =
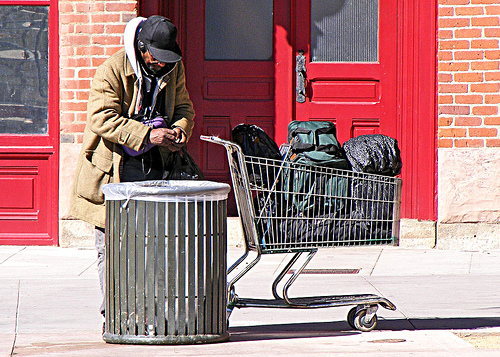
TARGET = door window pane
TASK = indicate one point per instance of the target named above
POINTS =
(344, 30)
(238, 29)
(24, 69)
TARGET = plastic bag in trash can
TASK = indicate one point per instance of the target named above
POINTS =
(166, 191)
(376, 154)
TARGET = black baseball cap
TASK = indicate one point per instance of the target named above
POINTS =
(159, 35)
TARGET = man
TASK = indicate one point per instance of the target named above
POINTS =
(138, 113)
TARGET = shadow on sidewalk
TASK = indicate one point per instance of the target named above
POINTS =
(341, 328)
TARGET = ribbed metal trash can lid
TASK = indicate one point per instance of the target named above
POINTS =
(166, 191)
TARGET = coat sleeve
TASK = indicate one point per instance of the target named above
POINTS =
(183, 110)
(105, 110)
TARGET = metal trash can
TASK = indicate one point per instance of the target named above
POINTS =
(166, 262)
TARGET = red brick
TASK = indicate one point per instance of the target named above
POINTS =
(445, 11)
(468, 55)
(66, 95)
(445, 99)
(482, 132)
(469, 11)
(492, 54)
(492, 10)
(111, 50)
(493, 143)
(445, 77)
(485, 21)
(74, 106)
(485, 87)
(82, 95)
(485, 110)
(484, 2)
(453, 66)
(454, 2)
(453, 22)
(492, 99)
(492, 76)
(492, 32)
(484, 66)
(445, 143)
(452, 133)
(468, 33)
(492, 121)
(66, 117)
(469, 143)
(67, 73)
(454, 109)
(86, 73)
(469, 99)
(468, 77)
(120, 6)
(104, 18)
(73, 18)
(106, 40)
(453, 88)
(445, 121)
(82, 7)
(468, 121)
(72, 128)
(490, 44)
(445, 55)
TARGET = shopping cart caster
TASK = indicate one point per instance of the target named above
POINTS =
(362, 318)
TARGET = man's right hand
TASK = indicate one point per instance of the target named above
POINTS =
(165, 137)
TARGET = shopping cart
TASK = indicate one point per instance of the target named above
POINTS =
(287, 207)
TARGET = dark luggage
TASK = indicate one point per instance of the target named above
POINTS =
(255, 142)
(374, 154)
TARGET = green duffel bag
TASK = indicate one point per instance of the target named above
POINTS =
(315, 143)
(313, 193)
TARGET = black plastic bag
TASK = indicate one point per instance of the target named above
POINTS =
(376, 154)
(181, 166)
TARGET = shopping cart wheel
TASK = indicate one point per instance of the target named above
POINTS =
(350, 317)
(361, 324)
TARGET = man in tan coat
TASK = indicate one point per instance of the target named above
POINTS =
(138, 113)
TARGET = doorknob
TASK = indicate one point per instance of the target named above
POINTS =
(300, 69)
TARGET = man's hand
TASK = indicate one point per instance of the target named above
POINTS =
(174, 139)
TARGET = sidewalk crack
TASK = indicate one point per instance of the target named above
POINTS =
(376, 261)
(12, 255)
(16, 324)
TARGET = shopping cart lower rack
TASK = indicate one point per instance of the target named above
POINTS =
(287, 207)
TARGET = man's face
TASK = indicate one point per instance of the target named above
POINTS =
(154, 65)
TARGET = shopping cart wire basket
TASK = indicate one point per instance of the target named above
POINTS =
(286, 207)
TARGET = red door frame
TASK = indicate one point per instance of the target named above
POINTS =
(416, 92)
(36, 156)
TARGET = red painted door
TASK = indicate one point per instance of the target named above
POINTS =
(29, 130)
(349, 53)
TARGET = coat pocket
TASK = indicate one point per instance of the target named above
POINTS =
(95, 172)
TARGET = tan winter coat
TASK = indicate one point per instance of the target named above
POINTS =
(112, 101)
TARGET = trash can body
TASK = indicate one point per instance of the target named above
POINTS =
(166, 265)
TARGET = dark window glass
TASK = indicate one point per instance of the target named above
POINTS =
(239, 30)
(344, 30)
(24, 54)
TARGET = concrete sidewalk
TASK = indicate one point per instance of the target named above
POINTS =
(448, 305)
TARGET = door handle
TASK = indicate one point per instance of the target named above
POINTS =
(300, 69)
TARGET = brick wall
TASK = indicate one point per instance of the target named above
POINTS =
(469, 73)
(90, 31)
